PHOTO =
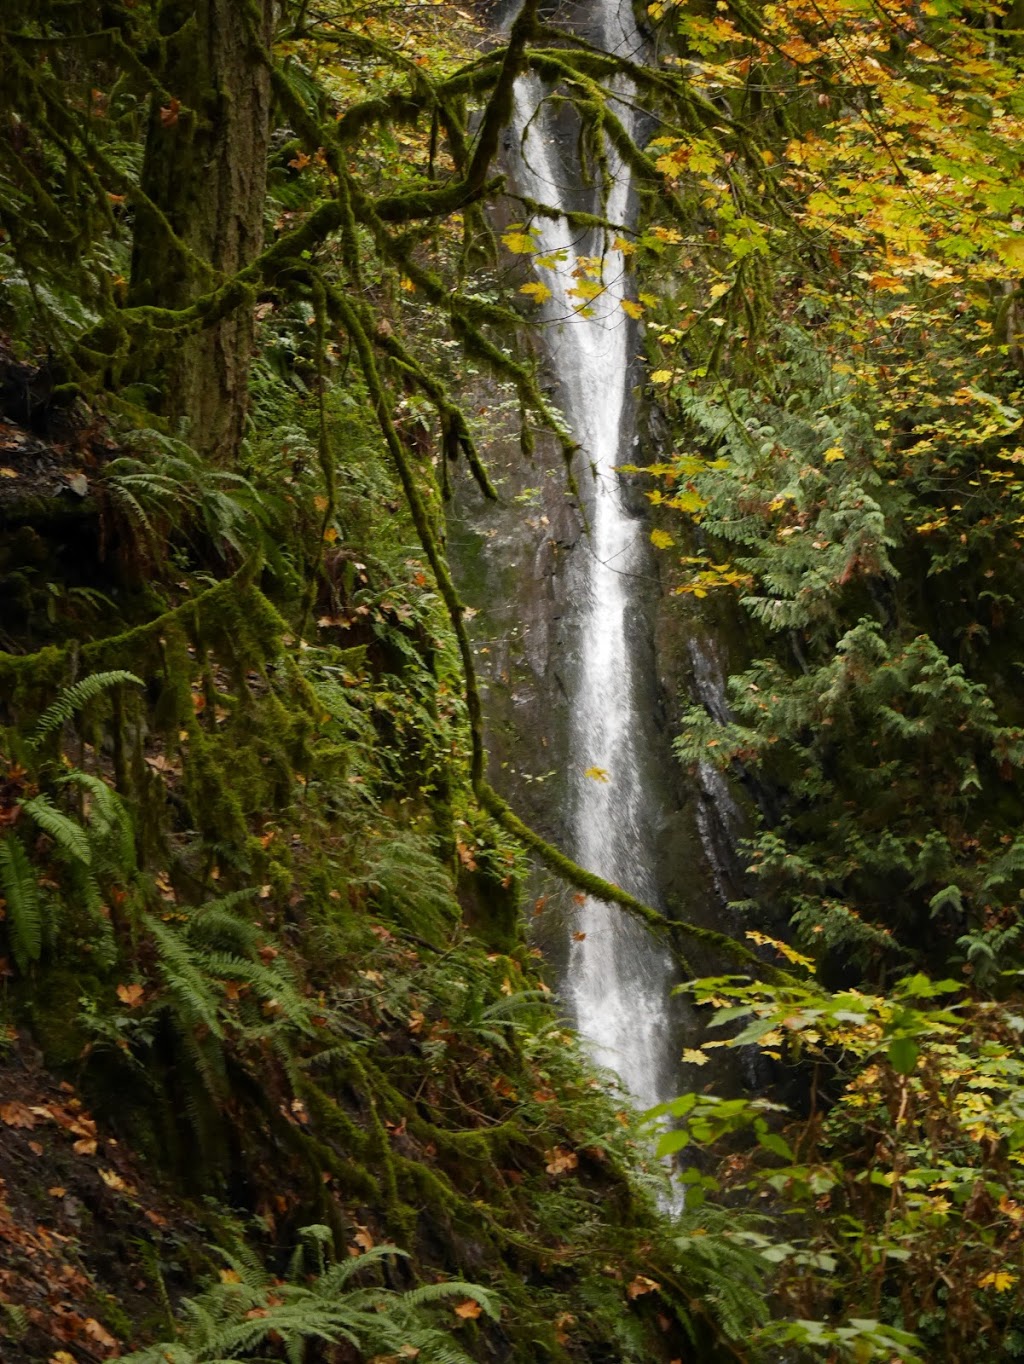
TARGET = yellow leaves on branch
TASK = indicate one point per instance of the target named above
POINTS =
(661, 539)
(537, 290)
(518, 242)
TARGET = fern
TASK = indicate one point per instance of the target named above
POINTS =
(109, 820)
(67, 833)
(21, 894)
(232, 1318)
(73, 698)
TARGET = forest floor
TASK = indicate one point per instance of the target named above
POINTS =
(83, 1230)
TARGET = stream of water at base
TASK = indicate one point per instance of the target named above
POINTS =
(619, 978)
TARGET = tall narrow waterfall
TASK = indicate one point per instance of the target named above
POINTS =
(618, 977)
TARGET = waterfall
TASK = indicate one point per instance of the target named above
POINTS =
(618, 976)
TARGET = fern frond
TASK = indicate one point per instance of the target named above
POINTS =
(75, 697)
(67, 833)
(21, 894)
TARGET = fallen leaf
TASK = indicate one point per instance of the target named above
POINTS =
(57, 1191)
(130, 994)
(641, 1285)
(93, 1328)
(596, 774)
(560, 1161)
(16, 1115)
(467, 1310)
(113, 1180)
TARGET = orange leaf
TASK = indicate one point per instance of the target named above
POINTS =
(467, 1310)
(99, 1333)
(130, 995)
(560, 1161)
(16, 1115)
(641, 1285)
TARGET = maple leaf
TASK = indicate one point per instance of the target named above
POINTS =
(641, 1285)
(114, 1181)
(131, 995)
(661, 539)
(466, 857)
(468, 1310)
(99, 1333)
(596, 774)
(537, 290)
(519, 243)
(17, 1115)
(999, 1279)
(560, 1161)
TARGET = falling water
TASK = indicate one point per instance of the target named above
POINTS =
(618, 978)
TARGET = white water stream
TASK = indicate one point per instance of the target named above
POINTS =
(618, 977)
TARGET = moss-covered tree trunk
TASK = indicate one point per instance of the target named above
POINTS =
(205, 169)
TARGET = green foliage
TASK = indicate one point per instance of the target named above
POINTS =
(72, 699)
(22, 906)
(318, 1301)
(907, 1161)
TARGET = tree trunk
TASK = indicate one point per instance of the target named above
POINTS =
(205, 169)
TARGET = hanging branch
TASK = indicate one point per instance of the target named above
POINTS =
(673, 931)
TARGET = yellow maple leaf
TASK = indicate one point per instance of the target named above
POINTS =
(632, 309)
(519, 243)
(536, 290)
(999, 1279)
(661, 539)
(661, 376)
(596, 774)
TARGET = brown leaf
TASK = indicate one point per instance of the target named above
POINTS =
(467, 1310)
(169, 113)
(16, 1115)
(641, 1285)
(131, 995)
(466, 857)
(93, 1328)
(86, 1146)
(114, 1181)
(560, 1161)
